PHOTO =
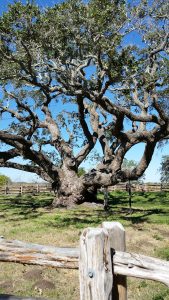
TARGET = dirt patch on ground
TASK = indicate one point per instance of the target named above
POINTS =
(43, 285)
(8, 285)
(147, 240)
(163, 231)
(33, 274)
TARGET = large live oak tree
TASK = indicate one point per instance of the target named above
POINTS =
(78, 74)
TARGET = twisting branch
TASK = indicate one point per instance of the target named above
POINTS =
(116, 164)
(117, 110)
(28, 168)
(6, 155)
(14, 139)
(142, 165)
(31, 117)
(161, 47)
(91, 138)
(24, 147)
(81, 113)
(61, 145)
(15, 114)
(158, 107)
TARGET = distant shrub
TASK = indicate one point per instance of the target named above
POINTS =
(81, 172)
(4, 179)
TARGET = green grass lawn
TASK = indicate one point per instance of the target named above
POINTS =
(30, 218)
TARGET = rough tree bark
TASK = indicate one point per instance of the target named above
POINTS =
(70, 190)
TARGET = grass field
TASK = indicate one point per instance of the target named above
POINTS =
(30, 218)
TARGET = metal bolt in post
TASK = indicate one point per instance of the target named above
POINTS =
(91, 274)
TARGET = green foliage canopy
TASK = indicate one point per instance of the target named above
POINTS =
(4, 180)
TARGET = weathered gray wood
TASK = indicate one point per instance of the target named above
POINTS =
(27, 253)
(6, 189)
(95, 268)
(116, 235)
(25, 188)
(140, 266)
(21, 189)
(127, 264)
(118, 242)
(106, 197)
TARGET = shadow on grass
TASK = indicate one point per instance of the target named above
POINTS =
(17, 208)
(25, 207)
(118, 197)
(140, 216)
(143, 199)
(85, 218)
(72, 221)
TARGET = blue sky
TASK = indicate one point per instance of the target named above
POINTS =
(152, 173)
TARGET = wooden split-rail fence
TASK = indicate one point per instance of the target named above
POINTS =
(25, 188)
(102, 261)
(36, 188)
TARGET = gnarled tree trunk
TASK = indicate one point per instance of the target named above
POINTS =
(70, 190)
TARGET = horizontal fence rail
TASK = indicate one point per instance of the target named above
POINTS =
(27, 188)
(101, 259)
(124, 263)
(136, 187)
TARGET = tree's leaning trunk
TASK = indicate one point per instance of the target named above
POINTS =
(71, 190)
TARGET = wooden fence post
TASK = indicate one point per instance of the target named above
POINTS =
(95, 266)
(106, 197)
(21, 189)
(6, 189)
(117, 241)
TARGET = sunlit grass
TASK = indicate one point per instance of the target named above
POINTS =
(31, 218)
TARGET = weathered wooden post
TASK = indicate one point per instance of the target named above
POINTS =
(117, 241)
(95, 266)
(21, 189)
(6, 189)
(106, 197)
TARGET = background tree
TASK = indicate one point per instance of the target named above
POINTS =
(131, 164)
(71, 80)
(4, 180)
(81, 172)
(164, 169)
